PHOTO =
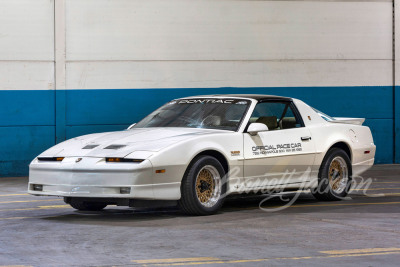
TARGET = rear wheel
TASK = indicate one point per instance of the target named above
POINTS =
(85, 205)
(203, 187)
(334, 178)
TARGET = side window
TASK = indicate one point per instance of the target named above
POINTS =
(276, 115)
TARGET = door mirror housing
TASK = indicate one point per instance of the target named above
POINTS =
(256, 127)
(131, 126)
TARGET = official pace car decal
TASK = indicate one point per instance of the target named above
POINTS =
(276, 149)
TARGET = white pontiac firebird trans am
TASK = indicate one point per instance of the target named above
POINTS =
(194, 151)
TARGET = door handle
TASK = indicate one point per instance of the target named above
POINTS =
(305, 138)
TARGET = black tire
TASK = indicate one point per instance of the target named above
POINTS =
(190, 202)
(340, 162)
(86, 205)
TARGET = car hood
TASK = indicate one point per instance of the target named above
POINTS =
(122, 143)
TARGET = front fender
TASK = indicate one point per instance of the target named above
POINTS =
(176, 159)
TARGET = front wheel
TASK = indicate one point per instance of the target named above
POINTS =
(334, 178)
(85, 205)
(203, 187)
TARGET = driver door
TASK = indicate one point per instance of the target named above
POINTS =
(284, 154)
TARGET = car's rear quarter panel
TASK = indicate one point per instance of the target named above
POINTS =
(358, 138)
(326, 134)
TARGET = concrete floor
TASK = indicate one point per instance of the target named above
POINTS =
(362, 231)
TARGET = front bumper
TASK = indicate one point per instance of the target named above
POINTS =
(94, 178)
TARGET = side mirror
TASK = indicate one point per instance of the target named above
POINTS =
(131, 126)
(257, 127)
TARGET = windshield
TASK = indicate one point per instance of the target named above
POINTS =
(209, 113)
(323, 115)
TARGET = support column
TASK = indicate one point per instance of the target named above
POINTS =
(59, 65)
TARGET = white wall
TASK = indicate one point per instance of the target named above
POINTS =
(160, 44)
(397, 43)
(26, 44)
(200, 74)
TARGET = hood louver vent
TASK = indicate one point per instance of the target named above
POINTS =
(114, 146)
(89, 146)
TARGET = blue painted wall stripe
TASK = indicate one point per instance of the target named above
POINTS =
(382, 132)
(77, 130)
(27, 107)
(396, 115)
(34, 120)
(60, 115)
(122, 106)
(20, 144)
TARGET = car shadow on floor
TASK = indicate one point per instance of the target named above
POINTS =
(233, 207)
(236, 207)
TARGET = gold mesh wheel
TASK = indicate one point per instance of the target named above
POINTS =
(338, 175)
(208, 186)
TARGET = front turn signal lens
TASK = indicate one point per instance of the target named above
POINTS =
(50, 158)
(124, 160)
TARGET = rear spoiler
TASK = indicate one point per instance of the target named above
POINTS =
(356, 121)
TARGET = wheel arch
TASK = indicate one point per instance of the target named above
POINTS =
(214, 153)
(209, 152)
(344, 146)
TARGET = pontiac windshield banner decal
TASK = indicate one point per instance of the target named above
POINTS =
(210, 101)
(279, 148)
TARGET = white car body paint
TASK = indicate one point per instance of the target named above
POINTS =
(85, 172)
